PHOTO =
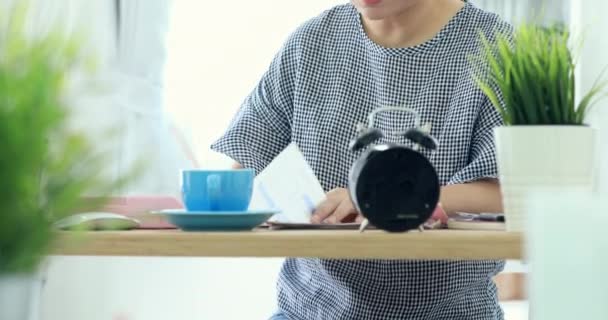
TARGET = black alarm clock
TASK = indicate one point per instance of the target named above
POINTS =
(396, 188)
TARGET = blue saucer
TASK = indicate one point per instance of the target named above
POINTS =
(216, 220)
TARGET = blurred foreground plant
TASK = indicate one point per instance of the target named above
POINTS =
(45, 169)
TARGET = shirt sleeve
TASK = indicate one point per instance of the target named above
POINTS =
(261, 129)
(482, 155)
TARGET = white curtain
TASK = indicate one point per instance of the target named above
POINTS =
(123, 114)
(139, 76)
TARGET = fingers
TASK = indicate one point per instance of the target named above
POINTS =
(359, 219)
(344, 209)
(350, 218)
(325, 209)
(336, 208)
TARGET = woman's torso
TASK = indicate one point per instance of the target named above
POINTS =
(340, 77)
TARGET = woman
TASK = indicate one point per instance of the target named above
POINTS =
(330, 74)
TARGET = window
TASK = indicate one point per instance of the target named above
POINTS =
(217, 52)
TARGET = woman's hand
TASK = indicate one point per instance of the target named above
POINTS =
(337, 207)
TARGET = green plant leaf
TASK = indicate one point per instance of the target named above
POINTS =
(535, 75)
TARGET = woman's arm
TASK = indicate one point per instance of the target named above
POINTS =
(261, 129)
(481, 196)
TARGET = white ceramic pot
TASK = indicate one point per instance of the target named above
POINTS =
(19, 296)
(542, 158)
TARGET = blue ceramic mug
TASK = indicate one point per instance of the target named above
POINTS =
(217, 190)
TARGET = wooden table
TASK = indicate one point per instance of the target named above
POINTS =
(437, 244)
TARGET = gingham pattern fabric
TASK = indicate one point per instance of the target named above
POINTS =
(325, 80)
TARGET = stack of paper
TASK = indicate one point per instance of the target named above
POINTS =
(290, 185)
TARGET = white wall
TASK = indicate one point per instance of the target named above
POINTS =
(516, 11)
(217, 53)
(590, 23)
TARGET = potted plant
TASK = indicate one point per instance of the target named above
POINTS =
(45, 169)
(544, 143)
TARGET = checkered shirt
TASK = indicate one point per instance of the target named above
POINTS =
(325, 80)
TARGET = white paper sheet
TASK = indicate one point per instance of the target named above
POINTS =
(290, 185)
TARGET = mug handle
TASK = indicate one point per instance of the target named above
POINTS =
(214, 187)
